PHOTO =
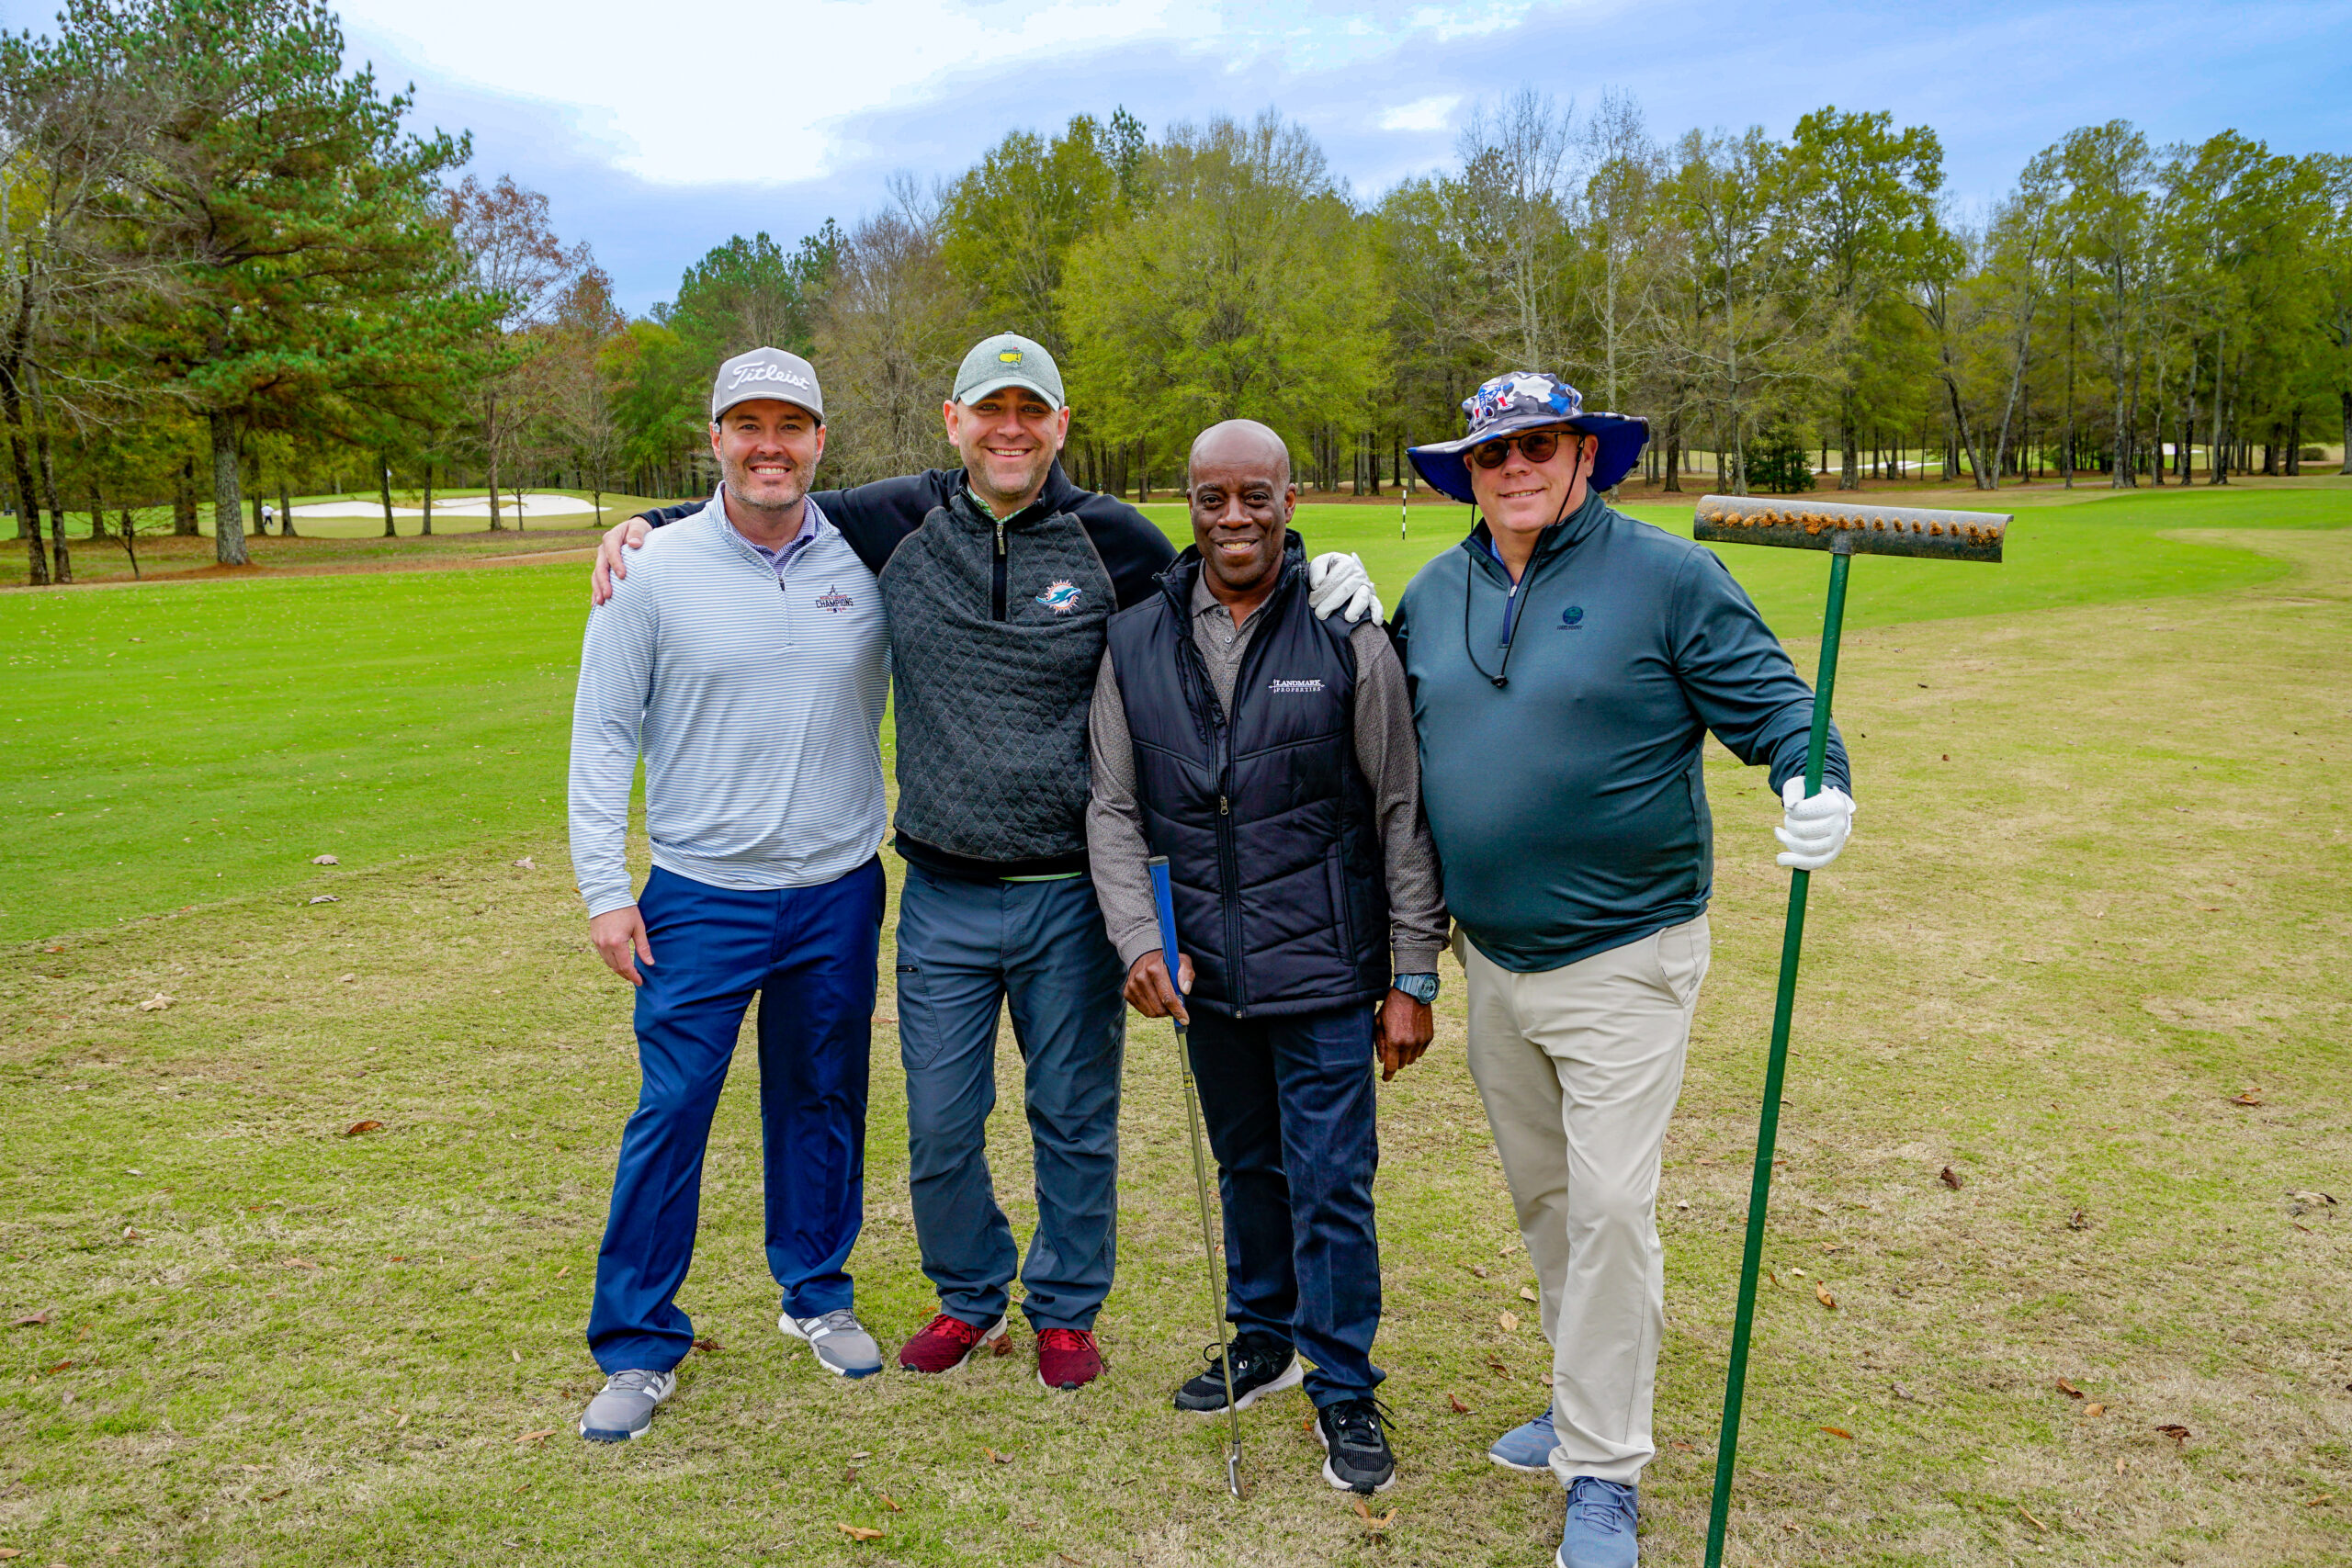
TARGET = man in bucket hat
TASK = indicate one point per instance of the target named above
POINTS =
(1566, 664)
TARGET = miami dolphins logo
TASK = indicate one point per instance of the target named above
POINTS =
(1060, 596)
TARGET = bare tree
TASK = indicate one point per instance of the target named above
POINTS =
(888, 338)
(1619, 191)
(506, 236)
(1514, 171)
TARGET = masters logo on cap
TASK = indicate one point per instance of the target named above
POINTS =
(1005, 360)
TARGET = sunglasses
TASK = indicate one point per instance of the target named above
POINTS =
(1538, 445)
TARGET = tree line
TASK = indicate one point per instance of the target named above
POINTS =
(226, 266)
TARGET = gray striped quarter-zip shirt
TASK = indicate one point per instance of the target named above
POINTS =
(753, 688)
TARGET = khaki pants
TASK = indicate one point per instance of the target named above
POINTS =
(1579, 1068)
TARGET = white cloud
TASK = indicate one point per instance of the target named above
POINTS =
(1421, 114)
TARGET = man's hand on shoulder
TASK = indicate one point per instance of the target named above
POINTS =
(1337, 582)
(612, 557)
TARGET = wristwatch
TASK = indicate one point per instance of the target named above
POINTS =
(1423, 989)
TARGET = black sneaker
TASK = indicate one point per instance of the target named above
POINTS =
(1355, 1449)
(1261, 1365)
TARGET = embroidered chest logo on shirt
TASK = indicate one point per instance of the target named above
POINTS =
(1573, 617)
(1295, 688)
(833, 600)
(1060, 596)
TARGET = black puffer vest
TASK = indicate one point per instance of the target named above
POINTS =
(1273, 852)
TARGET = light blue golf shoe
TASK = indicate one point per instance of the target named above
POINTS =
(1527, 1448)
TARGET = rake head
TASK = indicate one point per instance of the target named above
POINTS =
(1851, 528)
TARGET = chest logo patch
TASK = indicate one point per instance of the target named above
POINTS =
(1060, 596)
(1295, 688)
(1573, 617)
(833, 600)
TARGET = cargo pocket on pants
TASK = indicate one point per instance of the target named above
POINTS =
(1683, 954)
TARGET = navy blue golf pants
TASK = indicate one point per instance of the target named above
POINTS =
(1293, 1122)
(808, 954)
(966, 949)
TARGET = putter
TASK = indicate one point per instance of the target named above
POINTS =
(1165, 902)
(1845, 529)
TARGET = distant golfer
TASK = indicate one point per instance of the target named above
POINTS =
(1568, 663)
(1268, 752)
(999, 577)
(746, 660)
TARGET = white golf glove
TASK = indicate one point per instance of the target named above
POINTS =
(1338, 582)
(1813, 828)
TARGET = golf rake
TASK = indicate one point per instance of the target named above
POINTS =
(1165, 902)
(1846, 530)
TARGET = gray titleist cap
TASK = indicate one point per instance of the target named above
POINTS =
(1005, 360)
(766, 373)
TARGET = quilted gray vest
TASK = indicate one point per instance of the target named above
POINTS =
(990, 705)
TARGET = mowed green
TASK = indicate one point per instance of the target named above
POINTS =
(179, 747)
(2088, 952)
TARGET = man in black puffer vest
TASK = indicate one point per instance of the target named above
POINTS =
(1269, 753)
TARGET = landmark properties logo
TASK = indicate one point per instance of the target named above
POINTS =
(1295, 688)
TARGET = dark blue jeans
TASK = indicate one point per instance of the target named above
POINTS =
(1294, 1119)
(810, 955)
(965, 950)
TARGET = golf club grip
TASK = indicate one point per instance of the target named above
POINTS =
(1163, 901)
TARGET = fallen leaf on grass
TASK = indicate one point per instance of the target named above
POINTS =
(1821, 1294)
(156, 1003)
(1681, 1445)
(1003, 1345)
(2176, 1431)
(59, 1367)
(2078, 1221)
(1477, 1268)
(996, 1457)
(527, 863)
(2031, 1520)
(358, 1127)
(1509, 1321)
(541, 1436)
(1372, 1521)
(708, 1346)
(1453, 1399)
(2118, 1464)
(11, 1551)
(274, 1497)
(2251, 1097)
(518, 1355)
(863, 1453)
(344, 980)
(326, 898)
(1901, 1393)
(129, 1235)
(34, 1321)
(891, 1502)
(1306, 1423)
(2323, 1497)
(1527, 1293)
(857, 1532)
(1839, 1432)
(2094, 1409)
(1502, 1372)
(1774, 1278)
(2069, 1389)
(1950, 1178)
(563, 1272)
(324, 860)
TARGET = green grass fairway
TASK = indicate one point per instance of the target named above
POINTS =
(186, 743)
(300, 1202)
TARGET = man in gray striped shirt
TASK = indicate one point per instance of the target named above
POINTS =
(745, 659)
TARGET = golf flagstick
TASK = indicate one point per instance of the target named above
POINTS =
(1165, 903)
(1845, 529)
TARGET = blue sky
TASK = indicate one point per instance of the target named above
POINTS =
(657, 131)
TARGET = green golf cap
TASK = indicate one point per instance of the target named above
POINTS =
(1005, 360)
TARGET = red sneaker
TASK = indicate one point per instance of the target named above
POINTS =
(1067, 1358)
(946, 1343)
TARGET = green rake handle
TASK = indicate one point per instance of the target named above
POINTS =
(1768, 1126)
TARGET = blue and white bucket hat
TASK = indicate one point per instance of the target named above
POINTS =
(1530, 399)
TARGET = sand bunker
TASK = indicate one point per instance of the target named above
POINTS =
(536, 504)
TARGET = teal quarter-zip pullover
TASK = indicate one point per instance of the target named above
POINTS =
(1561, 721)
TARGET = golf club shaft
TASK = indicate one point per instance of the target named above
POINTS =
(1164, 903)
(1768, 1127)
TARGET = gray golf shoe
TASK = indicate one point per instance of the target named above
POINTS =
(623, 1408)
(841, 1342)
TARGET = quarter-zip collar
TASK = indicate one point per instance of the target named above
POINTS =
(813, 524)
